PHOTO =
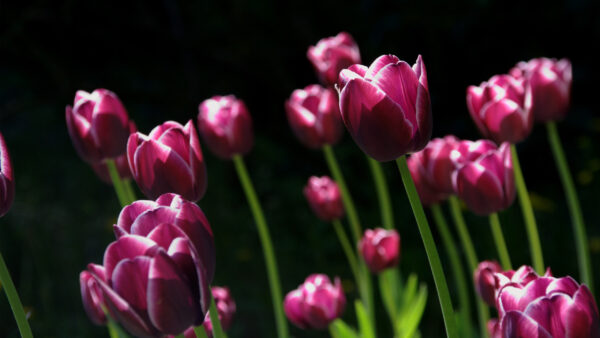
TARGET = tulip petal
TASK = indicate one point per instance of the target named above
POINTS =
(195, 225)
(129, 213)
(505, 121)
(182, 253)
(91, 296)
(164, 234)
(380, 63)
(518, 325)
(292, 306)
(157, 132)
(481, 190)
(177, 141)
(150, 219)
(130, 281)
(80, 131)
(353, 72)
(400, 83)
(129, 246)
(110, 132)
(581, 318)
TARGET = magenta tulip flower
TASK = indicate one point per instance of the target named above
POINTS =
(99, 125)
(386, 107)
(428, 193)
(324, 197)
(487, 183)
(485, 280)
(522, 276)
(501, 108)
(91, 296)
(333, 54)
(315, 303)
(225, 125)
(314, 115)
(550, 82)
(168, 160)
(380, 248)
(7, 181)
(156, 275)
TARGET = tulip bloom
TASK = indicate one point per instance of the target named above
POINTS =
(156, 275)
(487, 184)
(7, 181)
(501, 108)
(522, 276)
(386, 107)
(314, 115)
(324, 197)
(316, 303)
(380, 249)
(98, 125)
(225, 125)
(485, 280)
(168, 160)
(550, 82)
(333, 54)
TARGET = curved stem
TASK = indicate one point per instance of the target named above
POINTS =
(430, 249)
(345, 242)
(463, 233)
(217, 330)
(500, 243)
(13, 300)
(532, 233)
(385, 206)
(581, 241)
(457, 267)
(117, 182)
(267, 245)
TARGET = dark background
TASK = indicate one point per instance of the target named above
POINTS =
(164, 57)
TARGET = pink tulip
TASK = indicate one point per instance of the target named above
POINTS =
(522, 276)
(225, 125)
(168, 160)
(315, 303)
(428, 193)
(314, 115)
(325, 198)
(92, 299)
(380, 249)
(485, 281)
(550, 82)
(333, 54)
(7, 181)
(386, 107)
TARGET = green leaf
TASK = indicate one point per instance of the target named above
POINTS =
(339, 329)
(409, 291)
(364, 324)
(409, 319)
(390, 292)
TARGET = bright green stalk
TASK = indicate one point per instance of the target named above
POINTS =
(385, 206)
(129, 190)
(113, 332)
(500, 243)
(214, 320)
(348, 250)
(483, 311)
(430, 249)
(583, 252)
(118, 184)
(267, 245)
(532, 233)
(13, 300)
(200, 332)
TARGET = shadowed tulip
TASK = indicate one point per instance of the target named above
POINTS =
(225, 307)
(380, 248)
(485, 281)
(225, 126)
(501, 108)
(315, 303)
(91, 297)
(386, 107)
(324, 197)
(98, 125)
(7, 181)
(333, 54)
(168, 160)
(314, 115)
(428, 193)
(550, 82)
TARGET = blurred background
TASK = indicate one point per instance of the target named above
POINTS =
(163, 58)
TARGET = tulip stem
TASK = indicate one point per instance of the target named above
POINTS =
(463, 233)
(430, 249)
(267, 245)
(583, 253)
(200, 332)
(345, 242)
(117, 182)
(500, 243)
(385, 206)
(13, 300)
(532, 233)
(129, 190)
(217, 329)
(457, 267)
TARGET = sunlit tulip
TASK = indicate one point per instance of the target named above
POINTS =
(324, 198)
(7, 182)
(380, 248)
(485, 281)
(333, 54)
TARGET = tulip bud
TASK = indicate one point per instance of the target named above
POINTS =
(550, 82)
(168, 160)
(316, 303)
(314, 115)
(99, 125)
(7, 181)
(333, 54)
(324, 197)
(225, 126)
(501, 108)
(485, 282)
(380, 249)
(487, 183)
(225, 307)
(386, 107)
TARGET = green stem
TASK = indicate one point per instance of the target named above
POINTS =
(457, 267)
(13, 300)
(113, 332)
(430, 249)
(117, 182)
(129, 190)
(385, 206)
(200, 332)
(532, 233)
(217, 329)
(500, 243)
(345, 242)
(267, 245)
(483, 311)
(180, 336)
(583, 252)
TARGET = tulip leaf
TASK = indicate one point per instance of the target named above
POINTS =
(409, 318)
(389, 289)
(339, 329)
(409, 291)
(364, 323)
